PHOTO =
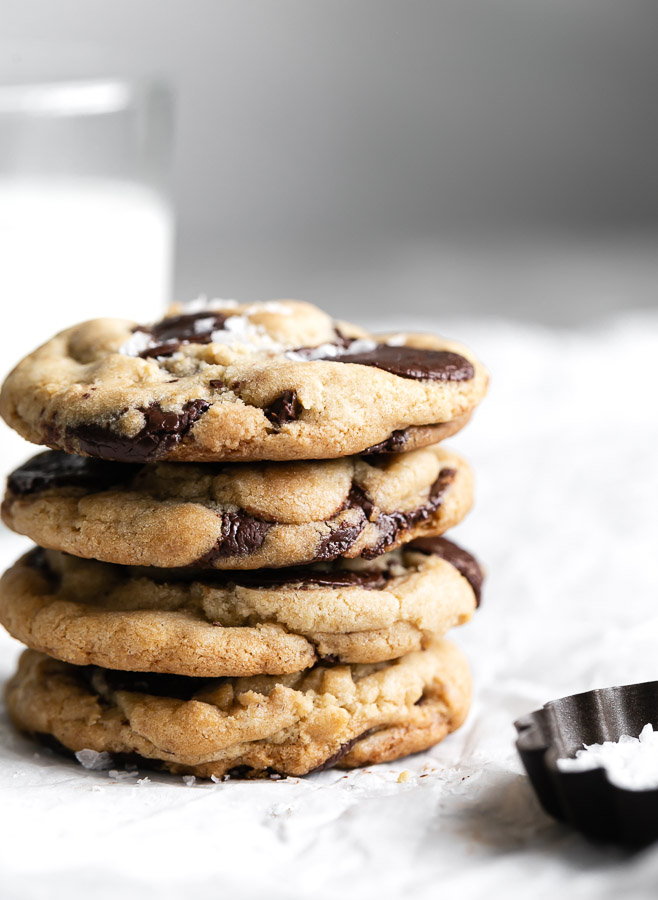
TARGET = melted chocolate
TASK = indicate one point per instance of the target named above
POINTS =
(295, 576)
(174, 331)
(162, 432)
(419, 363)
(393, 444)
(305, 577)
(391, 525)
(286, 408)
(57, 469)
(461, 559)
(241, 535)
(342, 751)
(339, 540)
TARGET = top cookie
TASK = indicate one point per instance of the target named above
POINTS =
(220, 381)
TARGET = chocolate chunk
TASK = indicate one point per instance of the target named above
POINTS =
(358, 499)
(394, 444)
(461, 559)
(419, 363)
(306, 577)
(286, 408)
(241, 535)
(342, 751)
(391, 525)
(339, 540)
(161, 350)
(171, 333)
(162, 432)
(57, 469)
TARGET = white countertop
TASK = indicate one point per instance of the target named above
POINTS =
(566, 521)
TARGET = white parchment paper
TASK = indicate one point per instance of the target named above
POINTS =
(566, 521)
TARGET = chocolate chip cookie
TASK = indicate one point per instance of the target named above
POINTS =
(222, 381)
(294, 724)
(269, 621)
(236, 516)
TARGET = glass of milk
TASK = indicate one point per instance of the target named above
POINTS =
(86, 226)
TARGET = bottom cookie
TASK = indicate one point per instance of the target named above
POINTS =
(345, 716)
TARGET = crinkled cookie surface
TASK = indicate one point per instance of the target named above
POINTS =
(245, 623)
(293, 725)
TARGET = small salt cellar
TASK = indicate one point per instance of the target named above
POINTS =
(592, 759)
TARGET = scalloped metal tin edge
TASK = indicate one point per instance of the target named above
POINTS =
(587, 800)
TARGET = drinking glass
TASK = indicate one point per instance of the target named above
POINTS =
(86, 226)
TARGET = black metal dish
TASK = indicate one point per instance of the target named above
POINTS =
(587, 800)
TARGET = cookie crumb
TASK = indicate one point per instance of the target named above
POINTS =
(404, 776)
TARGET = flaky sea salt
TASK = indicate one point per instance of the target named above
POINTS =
(189, 780)
(203, 304)
(328, 351)
(239, 330)
(91, 759)
(630, 763)
(137, 343)
(201, 326)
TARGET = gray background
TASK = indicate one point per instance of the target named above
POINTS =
(384, 157)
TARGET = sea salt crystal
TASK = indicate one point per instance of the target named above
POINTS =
(203, 325)
(137, 343)
(91, 759)
(203, 303)
(630, 763)
(328, 351)
(189, 780)
(239, 330)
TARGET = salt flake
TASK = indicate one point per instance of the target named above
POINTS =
(630, 763)
(91, 759)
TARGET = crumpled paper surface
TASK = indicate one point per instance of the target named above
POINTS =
(564, 450)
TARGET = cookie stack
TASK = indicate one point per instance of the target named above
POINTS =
(239, 565)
